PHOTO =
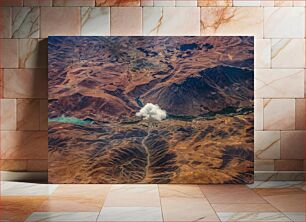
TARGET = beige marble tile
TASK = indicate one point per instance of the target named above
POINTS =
(230, 194)
(266, 3)
(262, 53)
(25, 22)
(276, 184)
(5, 3)
(279, 176)
(258, 113)
(37, 165)
(264, 165)
(33, 53)
(292, 144)
(27, 114)
(37, 2)
(43, 114)
(76, 197)
(91, 191)
(289, 165)
(249, 3)
(159, 21)
(287, 189)
(296, 216)
(51, 17)
(299, 3)
(279, 83)
(263, 207)
(126, 21)
(279, 3)
(129, 214)
(187, 209)
(63, 216)
(305, 83)
(73, 2)
(186, 3)
(284, 49)
(133, 196)
(25, 83)
(18, 208)
(28, 49)
(8, 53)
(146, 2)
(71, 204)
(253, 216)
(1, 83)
(125, 3)
(279, 114)
(285, 199)
(267, 145)
(220, 3)
(26, 189)
(5, 22)
(278, 19)
(162, 3)
(8, 114)
(13, 165)
(24, 145)
(232, 21)
(95, 21)
(300, 114)
(182, 191)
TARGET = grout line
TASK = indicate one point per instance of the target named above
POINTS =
(160, 203)
(39, 23)
(110, 21)
(267, 202)
(209, 202)
(104, 201)
(278, 210)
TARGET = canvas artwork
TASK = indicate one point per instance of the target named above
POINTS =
(131, 109)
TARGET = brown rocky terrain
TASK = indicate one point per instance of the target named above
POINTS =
(97, 84)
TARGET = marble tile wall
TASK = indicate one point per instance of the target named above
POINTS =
(278, 27)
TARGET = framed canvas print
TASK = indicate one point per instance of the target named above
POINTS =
(132, 109)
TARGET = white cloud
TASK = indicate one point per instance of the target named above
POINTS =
(152, 111)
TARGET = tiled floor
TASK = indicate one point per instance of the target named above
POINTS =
(261, 201)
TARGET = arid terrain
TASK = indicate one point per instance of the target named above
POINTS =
(97, 84)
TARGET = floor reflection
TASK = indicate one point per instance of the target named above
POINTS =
(261, 201)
